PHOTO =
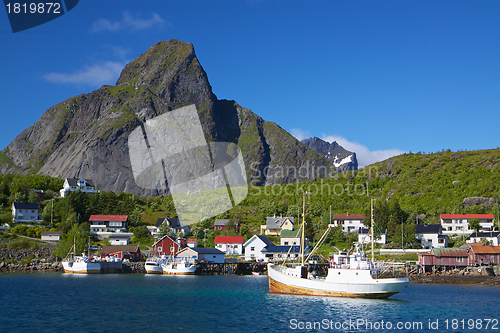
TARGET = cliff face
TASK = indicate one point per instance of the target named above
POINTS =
(86, 136)
(336, 154)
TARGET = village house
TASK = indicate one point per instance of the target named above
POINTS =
(130, 252)
(491, 237)
(281, 252)
(255, 245)
(192, 242)
(291, 237)
(229, 245)
(224, 224)
(365, 237)
(274, 225)
(168, 245)
(113, 227)
(482, 254)
(74, 184)
(173, 224)
(443, 258)
(26, 213)
(459, 223)
(51, 236)
(201, 254)
(430, 236)
(349, 222)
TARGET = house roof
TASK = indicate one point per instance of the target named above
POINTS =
(159, 222)
(74, 181)
(47, 233)
(204, 250)
(427, 228)
(467, 216)
(228, 240)
(173, 239)
(282, 248)
(348, 217)
(277, 222)
(221, 221)
(23, 205)
(122, 218)
(191, 240)
(263, 239)
(484, 234)
(449, 252)
(479, 248)
(119, 248)
(291, 233)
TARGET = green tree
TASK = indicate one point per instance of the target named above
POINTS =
(474, 224)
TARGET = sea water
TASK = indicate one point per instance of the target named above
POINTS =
(157, 303)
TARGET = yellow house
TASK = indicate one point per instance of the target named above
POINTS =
(274, 225)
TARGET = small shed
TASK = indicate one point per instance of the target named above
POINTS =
(51, 236)
(131, 252)
(482, 254)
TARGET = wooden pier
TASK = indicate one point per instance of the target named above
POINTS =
(240, 268)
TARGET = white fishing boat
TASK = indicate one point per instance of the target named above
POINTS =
(153, 265)
(80, 264)
(350, 274)
(177, 266)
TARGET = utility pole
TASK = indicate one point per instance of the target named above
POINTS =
(402, 241)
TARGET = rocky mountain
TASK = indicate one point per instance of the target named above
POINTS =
(86, 135)
(334, 153)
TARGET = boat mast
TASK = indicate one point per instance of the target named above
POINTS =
(303, 227)
(371, 232)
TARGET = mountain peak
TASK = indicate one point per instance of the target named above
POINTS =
(169, 69)
(334, 153)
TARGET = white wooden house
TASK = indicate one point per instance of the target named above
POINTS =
(113, 227)
(229, 245)
(51, 236)
(492, 237)
(26, 213)
(202, 254)
(365, 237)
(349, 222)
(431, 236)
(75, 184)
(459, 223)
(255, 245)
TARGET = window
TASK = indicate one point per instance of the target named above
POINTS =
(460, 259)
(236, 246)
(252, 248)
(159, 248)
(115, 224)
(286, 243)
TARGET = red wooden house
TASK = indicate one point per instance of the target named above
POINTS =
(482, 254)
(169, 245)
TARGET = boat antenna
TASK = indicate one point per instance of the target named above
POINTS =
(303, 227)
(371, 232)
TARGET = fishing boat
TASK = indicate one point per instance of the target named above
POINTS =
(350, 274)
(80, 264)
(177, 266)
(153, 265)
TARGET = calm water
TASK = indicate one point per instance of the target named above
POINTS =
(141, 303)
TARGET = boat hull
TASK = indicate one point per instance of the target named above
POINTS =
(182, 268)
(377, 288)
(82, 268)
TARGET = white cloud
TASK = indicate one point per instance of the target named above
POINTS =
(127, 22)
(98, 74)
(300, 134)
(363, 154)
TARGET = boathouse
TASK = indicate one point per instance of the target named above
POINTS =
(202, 254)
(482, 254)
(444, 258)
(130, 252)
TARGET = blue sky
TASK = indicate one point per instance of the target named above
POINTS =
(380, 77)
